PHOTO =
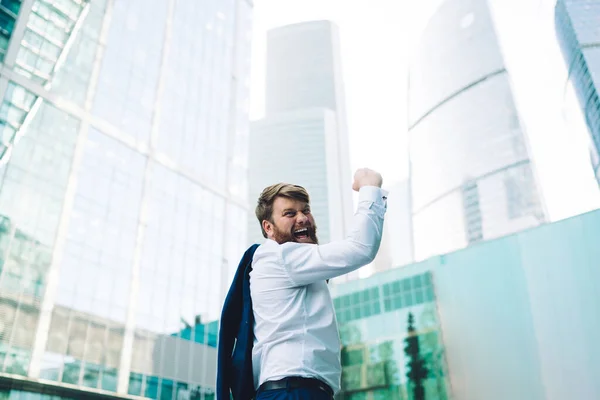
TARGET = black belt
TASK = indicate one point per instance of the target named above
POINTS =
(296, 382)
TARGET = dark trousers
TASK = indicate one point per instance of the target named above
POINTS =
(293, 394)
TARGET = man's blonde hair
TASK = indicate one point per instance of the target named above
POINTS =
(264, 206)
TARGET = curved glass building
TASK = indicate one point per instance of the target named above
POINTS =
(578, 32)
(122, 192)
(471, 173)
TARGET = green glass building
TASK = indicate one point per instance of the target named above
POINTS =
(378, 324)
(513, 318)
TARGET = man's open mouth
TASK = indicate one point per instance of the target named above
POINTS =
(301, 233)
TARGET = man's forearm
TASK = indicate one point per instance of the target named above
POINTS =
(310, 263)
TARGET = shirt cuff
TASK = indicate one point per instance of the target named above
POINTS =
(373, 194)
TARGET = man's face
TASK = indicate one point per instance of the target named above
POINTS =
(292, 222)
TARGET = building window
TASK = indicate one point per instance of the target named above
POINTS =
(472, 211)
(408, 292)
(467, 20)
(9, 9)
(357, 305)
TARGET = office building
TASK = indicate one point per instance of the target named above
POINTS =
(578, 33)
(303, 138)
(122, 185)
(471, 174)
(511, 318)
(396, 246)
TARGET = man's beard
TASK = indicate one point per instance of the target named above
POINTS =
(281, 236)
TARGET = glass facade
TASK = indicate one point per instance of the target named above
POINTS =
(380, 324)
(312, 80)
(471, 173)
(124, 133)
(511, 318)
(579, 37)
(44, 37)
(8, 16)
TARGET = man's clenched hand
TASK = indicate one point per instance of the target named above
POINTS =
(366, 177)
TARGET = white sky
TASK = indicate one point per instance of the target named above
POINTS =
(375, 39)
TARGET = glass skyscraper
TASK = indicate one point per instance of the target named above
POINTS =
(304, 68)
(122, 190)
(303, 138)
(471, 173)
(578, 31)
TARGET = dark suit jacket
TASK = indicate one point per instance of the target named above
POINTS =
(236, 336)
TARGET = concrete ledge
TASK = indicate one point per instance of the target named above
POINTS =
(68, 391)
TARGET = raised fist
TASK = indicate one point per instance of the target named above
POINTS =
(366, 177)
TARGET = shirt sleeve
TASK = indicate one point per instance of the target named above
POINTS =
(308, 263)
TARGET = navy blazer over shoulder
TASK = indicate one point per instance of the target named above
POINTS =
(236, 336)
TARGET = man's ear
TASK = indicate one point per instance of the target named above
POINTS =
(268, 227)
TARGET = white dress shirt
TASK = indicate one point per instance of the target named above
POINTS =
(295, 331)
